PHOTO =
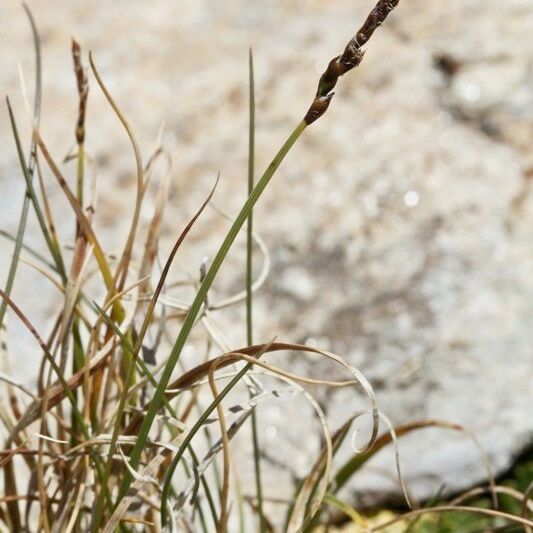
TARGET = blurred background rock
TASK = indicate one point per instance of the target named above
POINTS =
(399, 228)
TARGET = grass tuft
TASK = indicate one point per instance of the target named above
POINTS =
(142, 442)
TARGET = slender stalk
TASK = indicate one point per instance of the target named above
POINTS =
(80, 171)
(249, 226)
(249, 292)
(31, 168)
(349, 59)
(55, 251)
(133, 356)
(122, 268)
(198, 302)
(83, 90)
(121, 272)
(16, 253)
(60, 376)
(190, 435)
(144, 370)
(257, 471)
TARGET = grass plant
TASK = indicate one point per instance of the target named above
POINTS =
(117, 436)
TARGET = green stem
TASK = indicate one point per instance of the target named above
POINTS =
(199, 423)
(257, 469)
(31, 168)
(249, 292)
(55, 251)
(249, 227)
(132, 356)
(16, 254)
(197, 304)
(145, 371)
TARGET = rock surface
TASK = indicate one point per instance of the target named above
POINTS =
(399, 228)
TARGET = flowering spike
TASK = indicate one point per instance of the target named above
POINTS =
(349, 59)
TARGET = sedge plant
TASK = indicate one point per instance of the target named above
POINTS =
(119, 435)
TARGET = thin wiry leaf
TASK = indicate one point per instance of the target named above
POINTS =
(31, 164)
(135, 354)
(199, 302)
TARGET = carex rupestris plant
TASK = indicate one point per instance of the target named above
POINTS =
(117, 435)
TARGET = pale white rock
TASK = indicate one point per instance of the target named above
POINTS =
(391, 225)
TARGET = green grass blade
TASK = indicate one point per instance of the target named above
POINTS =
(199, 423)
(31, 167)
(144, 370)
(249, 292)
(62, 380)
(54, 250)
(249, 225)
(198, 302)
(134, 353)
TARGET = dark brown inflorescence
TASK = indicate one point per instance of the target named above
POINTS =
(83, 91)
(349, 59)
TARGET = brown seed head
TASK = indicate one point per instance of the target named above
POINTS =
(83, 91)
(350, 58)
(318, 108)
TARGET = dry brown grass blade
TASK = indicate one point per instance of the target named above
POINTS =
(189, 492)
(351, 466)
(122, 268)
(237, 356)
(80, 216)
(56, 391)
(9, 454)
(453, 509)
(498, 489)
(74, 510)
(150, 470)
(223, 519)
(20, 450)
(310, 497)
(525, 503)
(201, 371)
(154, 228)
